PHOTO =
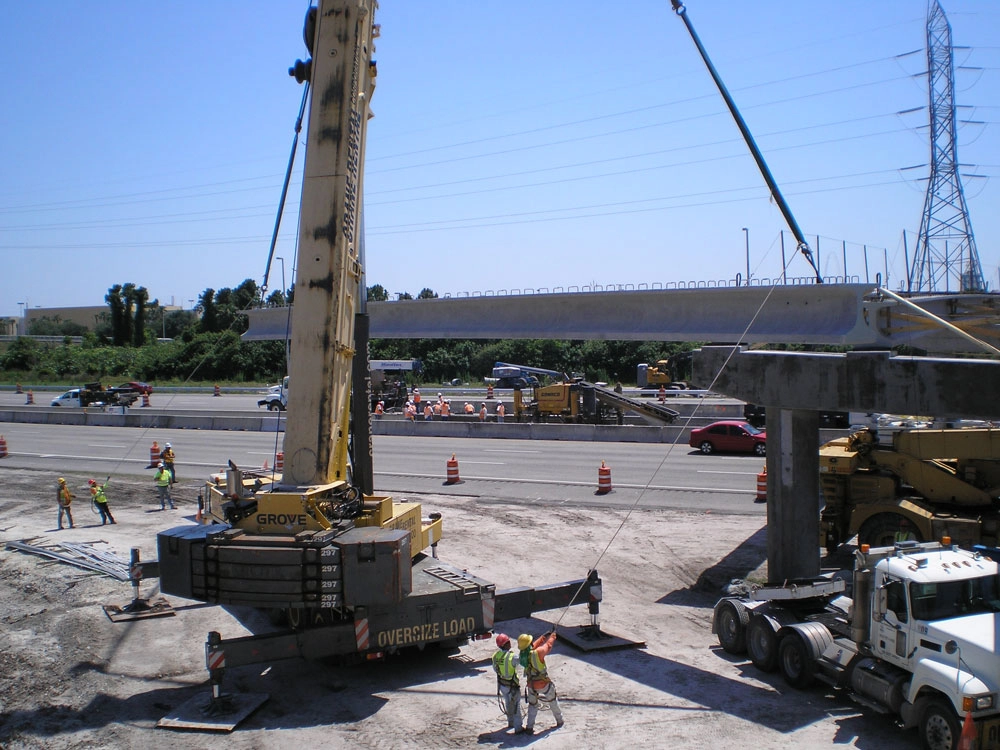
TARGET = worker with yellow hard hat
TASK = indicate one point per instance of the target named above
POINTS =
(508, 687)
(539, 685)
(65, 498)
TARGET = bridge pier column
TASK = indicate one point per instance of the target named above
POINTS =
(792, 494)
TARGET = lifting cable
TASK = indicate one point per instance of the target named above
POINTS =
(670, 447)
(263, 290)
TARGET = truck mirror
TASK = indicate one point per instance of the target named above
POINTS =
(881, 603)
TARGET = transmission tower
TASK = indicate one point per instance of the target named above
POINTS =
(946, 258)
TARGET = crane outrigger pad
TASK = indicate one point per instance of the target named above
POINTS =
(139, 609)
(588, 638)
(207, 715)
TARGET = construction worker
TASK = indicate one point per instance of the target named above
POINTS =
(445, 410)
(482, 413)
(100, 500)
(162, 479)
(65, 498)
(536, 676)
(501, 412)
(428, 411)
(508, 687)
(469, 408)
(379, 409)
(167, 456)
(416, 395)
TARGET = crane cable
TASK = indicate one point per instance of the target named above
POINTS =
(671, 446)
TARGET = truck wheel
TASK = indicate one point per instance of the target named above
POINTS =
(706, 447)
(274, 406)
(939, 727)
(796, 661)
(731, 619)
(762, 644)
(883, 529)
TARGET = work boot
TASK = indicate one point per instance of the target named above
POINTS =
(559, 723)
(528, 730)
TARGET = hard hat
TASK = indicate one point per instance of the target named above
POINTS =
(523, 641)
(91, 481)
(159, 465)
(168, 445)
(62, 481)
(503, 641)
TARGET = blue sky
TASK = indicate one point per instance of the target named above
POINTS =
(539, 145)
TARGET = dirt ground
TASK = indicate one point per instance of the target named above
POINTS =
(69, 677)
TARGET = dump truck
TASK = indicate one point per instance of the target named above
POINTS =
(909, 633)
(919, 484)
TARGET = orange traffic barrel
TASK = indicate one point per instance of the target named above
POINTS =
(154, 455)
(218, 392)
(603, 479)
(453, 477)
(279, 462)
(761, 487)
(145, 399)
(31, 398)
(19, 389)
(3, 447)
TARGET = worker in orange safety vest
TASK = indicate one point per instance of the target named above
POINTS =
(539, 686)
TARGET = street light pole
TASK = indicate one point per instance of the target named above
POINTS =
(284, 289)
(746, 233)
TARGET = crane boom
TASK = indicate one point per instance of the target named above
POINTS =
(329, 268)
(758, 157)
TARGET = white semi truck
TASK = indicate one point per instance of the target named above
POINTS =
(916, 636)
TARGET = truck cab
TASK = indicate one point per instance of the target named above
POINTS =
(277, 397)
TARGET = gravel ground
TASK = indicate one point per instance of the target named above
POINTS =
(71, 678)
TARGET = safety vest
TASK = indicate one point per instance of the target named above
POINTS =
(167, 456)
(505, 665)
(535, 670)
(445, 409)
(162, 478)
(501, 410)
(99, 496)
(378, 408)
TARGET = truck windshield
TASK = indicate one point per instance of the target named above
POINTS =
(940, 601)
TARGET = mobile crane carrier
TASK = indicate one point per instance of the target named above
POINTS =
(347, 569)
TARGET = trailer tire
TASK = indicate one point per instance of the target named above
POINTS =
(881, 530)
(939, 726)
(795, 658)
(762, 644)
(731, 619)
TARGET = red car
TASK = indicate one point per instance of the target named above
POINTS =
(138, 386)
(731, 436)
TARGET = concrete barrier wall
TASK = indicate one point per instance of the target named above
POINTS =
(459, 428)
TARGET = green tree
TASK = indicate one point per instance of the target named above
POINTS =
(426, 293)
(140, 297)
(114, 300)
(377, 293)
(209, 312)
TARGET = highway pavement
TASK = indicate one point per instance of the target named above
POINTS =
(528, 471)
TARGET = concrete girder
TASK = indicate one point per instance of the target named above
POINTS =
(833, 314)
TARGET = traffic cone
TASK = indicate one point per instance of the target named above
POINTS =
(31, 398)
(969, 738)
(603, 479)
(761, 487)
(265, 465)
(3, 447)
(452, 467)
(154, 455)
